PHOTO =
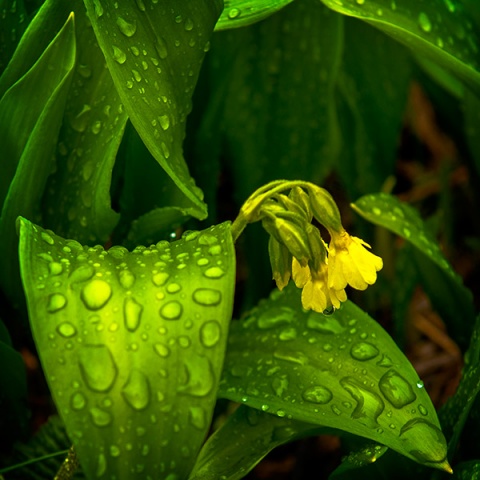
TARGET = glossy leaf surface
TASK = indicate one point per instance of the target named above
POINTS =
(154, 54)
(342, 371)
(440, 30)
(132, 344)
(240, 13)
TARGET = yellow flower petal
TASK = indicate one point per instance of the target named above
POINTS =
(301, 275)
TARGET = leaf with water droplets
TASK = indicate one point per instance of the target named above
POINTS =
(155, 65)
(240, 13)
(342, 371)
(31, 110)
(439, 30)
(443, 284)
(243, 440)
(132, 343)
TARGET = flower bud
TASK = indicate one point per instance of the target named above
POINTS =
(300, 197)
(280, 260)
(317, 247)
(294, 207)
(325, 209)
(295, 239)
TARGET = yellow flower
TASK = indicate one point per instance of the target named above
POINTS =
(349, 262)
(316, 295)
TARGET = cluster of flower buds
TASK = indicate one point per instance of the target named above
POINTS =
(297, 249)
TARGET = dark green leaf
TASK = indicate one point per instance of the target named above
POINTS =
(342, 371)
(132, 344)
(467, 470)
(360, 458)
(77, 202)
(442, 31)
(154, 55)
(374, 84)
(13, 22)
(35, 103)
(242, 441)
(240, 13)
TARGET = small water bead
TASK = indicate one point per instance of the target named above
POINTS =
(424, 22)
(96, 294)
(136, 76)
(78, 401)
(114, 451)
(98, 8)
(317, 394)
(276, 317)
(210, 333)
(126, 279)
(47, 238)
(188, 25)
(201, 262)
(234, 13)
(56, 302)
(165, 150)
(162, 350)
(450, 5)
(97, 367)
(132, 311)
(66, 330)
(207, 296)
(159, 279)
(173, 288)
(215, 250)
(100, 417)
(136, 391)
(55, 268)
(161, 47)
(422, 410)
(127, 28)
(171, 310)
(164, 121)
(363, 351)
(288, 334)
(214, 272)
(119, 55)
(184, 341)
(101, 465)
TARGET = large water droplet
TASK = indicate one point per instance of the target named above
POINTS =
(162, 350)
(56, 302)
(363, 351)
(173, 288)
(126, 279)
(82, 274)
(96, 294)
(66, 330)
(100, 417)
(214, 272)
(127, 28)
(369, 404)
(210, 333)
(136, 391)
(78, 401)
(396, 389)
(171, 310)
(132, 311)
(159, 279)
(207, 296)
(55, 268)
(424, 22)
(317, 394)
(47, 238)
(324, 324)
(275, 317)
(97, 367)
(199, 375)
(207, 239)
(432, 447)
(164, 121)
(119, 55)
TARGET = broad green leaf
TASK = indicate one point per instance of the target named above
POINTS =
(13, 22)
(132, 344)
(360, 458)
(467, 470)
(154, 55)
(41, 92)
(457, 302)
(370, 66)
(240, 13)
(341, 371)
(440, 30)
(242, 441)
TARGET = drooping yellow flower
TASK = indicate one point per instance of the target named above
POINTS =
(349, 262)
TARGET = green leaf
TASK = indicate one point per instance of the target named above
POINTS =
(132, 344)
(154, 56)
(240, 13)
(12, 25)
(376, 64)
(242, 441)
(342, 371)
(467, 470)
(77, 201)
(456, 300)
(35, 103)
(441, 31)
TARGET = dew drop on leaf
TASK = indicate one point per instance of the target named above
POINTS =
(162, 350)
(214, 272)
(114, 451)
(171, 310)
(97, 366)
(56, 302)
(199, 375)
(78, 401)
(396, 389)
(161, 47)
(127, 28)
(96, 294)
(119, 55)
(126, 279)
(159, 279)
(132, 312)
(47, 238)
(363, 351)
(207, 296)
(424, 22)
(66, 330)
(317, 394)
(234, 13)
(173, 288)
(100, 417)
(432, 438)
(210, 333)
(82, 274)
(101, 465)
(136, 391)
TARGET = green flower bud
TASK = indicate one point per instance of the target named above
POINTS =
(300, 197)
(281, 261)
(292, 206)
(317, 247)
(325, 209)
(295, 239)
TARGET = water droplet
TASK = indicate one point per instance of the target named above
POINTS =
(376, 211)
(55, 268)
(119, 55)
(324, 324)
(210, 333)
(98, 368)
(101, 465)
(56, 302)
(126, 279)
(96, 294)
(207, 296)
(165, 150)
(276, 317)
(214, 272)
(127, 28)
(132, 311)
(432, 448)
(162, 350)
(234, 13)
(420, 384)
(114, 451)
(422, 410)
(363, 351)
(450, 6)
(100, 417)
(161, 47)
(171, 311)
(159, 279)
(207, 239)
(78, 401)
(385, 361)
(396, 389)
(66, 330)
(164, 121)
(197, 417)
(424, 22)
(188, 25)
(360, 2)
(47, 238)
(140, 5)
(173, 288)
(317, 394)
(136, 391)
(199, 375)
(288, 334)
(369, 404)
